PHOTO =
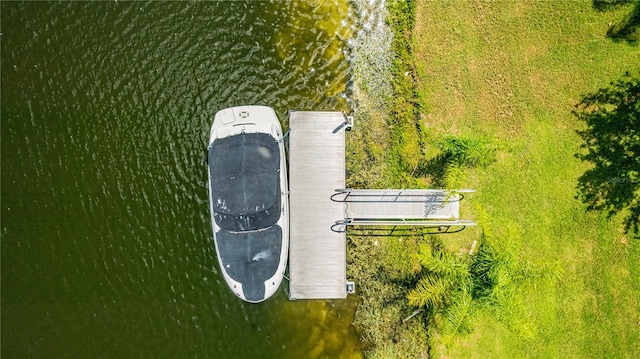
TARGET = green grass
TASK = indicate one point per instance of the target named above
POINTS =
(512, 71)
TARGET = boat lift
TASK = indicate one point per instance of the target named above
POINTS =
(434, 208)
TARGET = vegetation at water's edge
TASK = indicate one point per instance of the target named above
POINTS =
(474, 105)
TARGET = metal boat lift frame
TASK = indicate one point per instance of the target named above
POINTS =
(426, 208)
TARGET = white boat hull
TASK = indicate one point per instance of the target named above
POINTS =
(249, 200)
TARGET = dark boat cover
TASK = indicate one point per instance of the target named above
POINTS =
(245, 181)
(245, 195)
(251, 258)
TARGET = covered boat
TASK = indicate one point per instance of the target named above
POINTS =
(249, 200)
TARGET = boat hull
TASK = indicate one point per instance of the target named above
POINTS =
(249, 202)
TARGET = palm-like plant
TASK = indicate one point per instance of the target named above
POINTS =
(454, 288)
(432, 291)
(458, 318)
(445, 290)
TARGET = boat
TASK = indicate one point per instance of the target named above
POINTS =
(249, 200)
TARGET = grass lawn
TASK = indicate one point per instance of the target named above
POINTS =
(513, 70)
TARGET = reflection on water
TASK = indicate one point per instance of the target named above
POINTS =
(327, 50)
(106, 239)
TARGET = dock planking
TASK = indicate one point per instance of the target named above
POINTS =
(317, 255)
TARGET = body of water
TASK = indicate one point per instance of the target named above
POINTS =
(106, 107)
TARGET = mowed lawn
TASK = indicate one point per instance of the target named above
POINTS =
(512, 71)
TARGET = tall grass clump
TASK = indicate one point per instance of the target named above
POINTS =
(455, 155)
(467, 151)
(458, 153)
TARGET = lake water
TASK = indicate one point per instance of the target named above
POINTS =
(107, 247)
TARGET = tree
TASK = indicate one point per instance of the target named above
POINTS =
(612, 145)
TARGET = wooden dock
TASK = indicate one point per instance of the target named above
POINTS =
(317, 255)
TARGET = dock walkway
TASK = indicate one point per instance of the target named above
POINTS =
(317, 255)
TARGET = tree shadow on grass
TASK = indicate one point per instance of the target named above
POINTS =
(612, 145)
(628, 29)
(605, 5)
(435, 169)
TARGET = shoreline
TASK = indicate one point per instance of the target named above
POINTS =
(377, 158)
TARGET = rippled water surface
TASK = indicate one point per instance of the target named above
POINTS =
(106, 239)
